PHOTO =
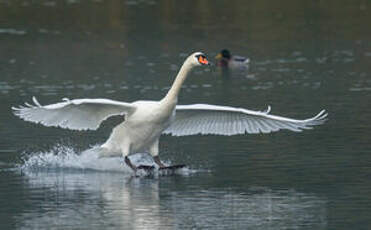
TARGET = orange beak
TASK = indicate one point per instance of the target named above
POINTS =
(203, 60)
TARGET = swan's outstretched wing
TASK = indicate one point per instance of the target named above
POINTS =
(79, 114)
(223, 120)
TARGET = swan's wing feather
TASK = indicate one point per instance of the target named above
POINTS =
(78, 114)
(223, 120)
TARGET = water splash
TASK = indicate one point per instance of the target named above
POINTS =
(63, 158)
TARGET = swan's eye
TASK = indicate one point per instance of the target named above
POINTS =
(202, 59)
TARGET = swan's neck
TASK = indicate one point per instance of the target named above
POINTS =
(172, 94)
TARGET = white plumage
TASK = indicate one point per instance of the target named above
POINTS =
(78, 114)
(223, 120)
(146, 121)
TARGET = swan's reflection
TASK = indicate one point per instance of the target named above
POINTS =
(98, 200)
(91, 200)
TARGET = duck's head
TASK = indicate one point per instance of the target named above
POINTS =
(224, 54)
(198, 59)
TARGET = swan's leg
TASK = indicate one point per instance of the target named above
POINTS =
(125, 149)
(154, 150)
(128, 162)
(158, 161)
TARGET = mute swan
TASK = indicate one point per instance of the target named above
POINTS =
(226, 60)
(146, 121)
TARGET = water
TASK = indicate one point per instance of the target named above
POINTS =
(304, 57)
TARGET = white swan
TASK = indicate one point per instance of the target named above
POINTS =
(146, 121)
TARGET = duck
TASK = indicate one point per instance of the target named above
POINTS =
(146, 120)
(226, 60)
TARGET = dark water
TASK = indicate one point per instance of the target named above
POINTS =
(305, 56)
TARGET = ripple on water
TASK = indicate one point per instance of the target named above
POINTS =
(12, 31)
(65, 172)
(5, 87)
(125, 203)
(259, 208)
(362, 83)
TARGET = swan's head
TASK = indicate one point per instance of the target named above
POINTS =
(198, 59)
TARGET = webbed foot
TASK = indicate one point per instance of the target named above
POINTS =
(172, 167)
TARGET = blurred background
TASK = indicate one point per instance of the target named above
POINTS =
(304, 56)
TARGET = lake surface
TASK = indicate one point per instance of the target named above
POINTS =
(305, 57)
